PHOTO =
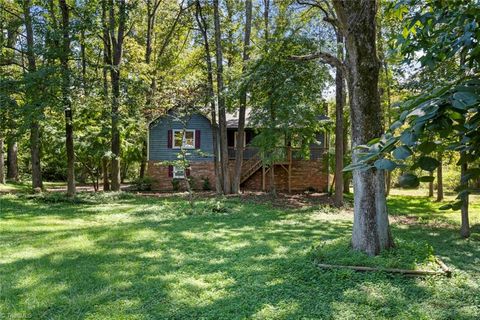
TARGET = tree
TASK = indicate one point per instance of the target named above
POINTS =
(449, 109)
(31, 100)
(243, 102)
(440, 177)
(2, 161)
(116, 33)
(222, 118)
(356, 20)
(371, 231)
(202, 24)
(66, 97)
(339, 123)
(12, 160)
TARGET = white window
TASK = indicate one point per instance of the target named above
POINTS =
(244, 139)
(186, 141)
(178, 172)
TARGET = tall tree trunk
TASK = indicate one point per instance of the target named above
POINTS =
(465, 227)
(2, 161)
(66, 99)
(117, 51)
(371, 231)
(143, 162)
(152, 8)
(211, 95)
(222, 117)
(12, 160)
(339, 99)
(273, 188)
(106, 181)
(440, 179)
(430, 186)
(243, 102)
(346, 178)
(37, 182)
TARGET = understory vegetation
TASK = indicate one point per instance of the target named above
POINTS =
(119, 256)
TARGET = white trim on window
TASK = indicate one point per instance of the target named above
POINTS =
(184, 140)
(178, 172)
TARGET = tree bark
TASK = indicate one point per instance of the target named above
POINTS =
(440, 179)
(117, 51)
(37, 182)
(106, 181)
(371, 231)
(339, 104)
(12, 160)
(243, 102)
(222, 117)
(143, 162)
(465, 227)
(66, 98)
(2, 161)
(211, 95)
(346, 178)
(430, 186)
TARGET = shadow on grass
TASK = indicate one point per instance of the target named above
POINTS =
(251, 263)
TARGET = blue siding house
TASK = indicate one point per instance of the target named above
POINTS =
(169, 133)
(163, 130)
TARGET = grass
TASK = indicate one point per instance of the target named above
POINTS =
(12, 186)
(119, 256)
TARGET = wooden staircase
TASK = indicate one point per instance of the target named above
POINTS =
(250, 166)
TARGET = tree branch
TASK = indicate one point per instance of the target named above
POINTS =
(329, 15)
(322, 56)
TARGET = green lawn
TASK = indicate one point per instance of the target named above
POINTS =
(132, 257)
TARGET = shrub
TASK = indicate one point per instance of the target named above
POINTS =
(206, 184)
(143, 184)
(176, 184)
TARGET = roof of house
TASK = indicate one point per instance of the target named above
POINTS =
(232, 119)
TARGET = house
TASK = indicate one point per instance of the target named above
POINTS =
(294, 171)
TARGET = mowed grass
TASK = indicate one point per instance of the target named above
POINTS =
(132, 257)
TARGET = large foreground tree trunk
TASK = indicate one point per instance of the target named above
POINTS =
(12, 160)
(371, 231)
(222, 116)
(339, 101)
(243, 102)
(66, 98)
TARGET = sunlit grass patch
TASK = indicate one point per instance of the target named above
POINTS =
(407, 254)
(116, 256)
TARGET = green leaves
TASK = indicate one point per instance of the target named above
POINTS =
(409, 138)
(426, 179)
(408, 180)
(427, 147)
(385, 164)
(428, 163)
(402, 153)
(464, 99)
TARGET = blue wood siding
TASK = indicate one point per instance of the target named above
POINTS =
(158, 138)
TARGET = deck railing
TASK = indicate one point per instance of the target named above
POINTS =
(283, 154)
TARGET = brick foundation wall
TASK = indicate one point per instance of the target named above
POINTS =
(306, 174)
(198, 171)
